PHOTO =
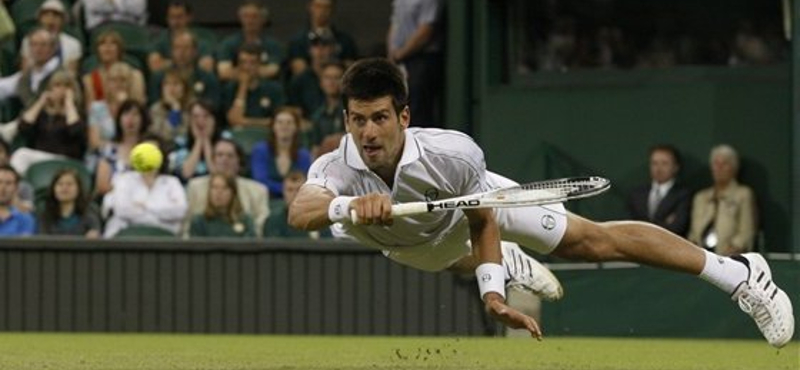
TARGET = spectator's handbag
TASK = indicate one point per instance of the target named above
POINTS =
(7, 28)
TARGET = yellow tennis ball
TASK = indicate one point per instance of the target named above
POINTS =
(146, 157)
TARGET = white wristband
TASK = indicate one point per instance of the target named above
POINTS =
(491, 278)
(339, 209)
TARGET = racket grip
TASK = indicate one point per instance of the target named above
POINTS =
(408, 209)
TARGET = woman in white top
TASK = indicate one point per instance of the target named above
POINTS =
(144, 198)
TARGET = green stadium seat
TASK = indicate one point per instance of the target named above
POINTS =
(25, 10)
(135, 231)
(248, 137)
(206, 35)
(41, 174)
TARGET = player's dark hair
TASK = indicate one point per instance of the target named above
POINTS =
(676, 155)
(374, 78)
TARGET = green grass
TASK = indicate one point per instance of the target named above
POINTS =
(110, 352)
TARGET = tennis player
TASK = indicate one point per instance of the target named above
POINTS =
(382, 161)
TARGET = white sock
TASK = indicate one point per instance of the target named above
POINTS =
(725, 273)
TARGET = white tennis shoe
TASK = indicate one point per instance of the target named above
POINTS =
(767, 304)
(527, 274)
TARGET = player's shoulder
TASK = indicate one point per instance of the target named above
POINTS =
(448, 143)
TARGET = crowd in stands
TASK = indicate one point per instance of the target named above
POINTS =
(238, 118)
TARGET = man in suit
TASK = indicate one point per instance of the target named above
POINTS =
(663, 202)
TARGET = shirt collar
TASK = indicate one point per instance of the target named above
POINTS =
(412, 150)
(664, 188)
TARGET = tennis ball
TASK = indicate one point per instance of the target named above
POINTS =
(146, 157)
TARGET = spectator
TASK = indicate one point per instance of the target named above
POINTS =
(253, 16)
(109, 50)
(144, 198)
(251, 99)
(52, 127)
(223, 216)
(179, 19)
(24, 198)
(27, 84)
(170, 117)
(253, 196)
(277, 225)
(328, 119)
(12, 221)
(319, 22)
(193, 155)
(52, 16)
(415, 42)
(724, 215)
(304, 89)
(204, 84)
(281, 153)
(119, 87)
(664, 201)
(97, 12)
(132, 122)
(67, 211)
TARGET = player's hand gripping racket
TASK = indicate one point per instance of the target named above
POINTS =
(530, 194)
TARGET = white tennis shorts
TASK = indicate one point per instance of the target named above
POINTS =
(538, 228)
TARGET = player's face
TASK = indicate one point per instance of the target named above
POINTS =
(8, 188)
(378, 131)
(662, 166)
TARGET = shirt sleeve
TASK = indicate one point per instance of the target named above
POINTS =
(329, 174)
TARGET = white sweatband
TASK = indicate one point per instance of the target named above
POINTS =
(491, 278)
(339, 209)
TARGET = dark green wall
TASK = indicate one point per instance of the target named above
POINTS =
(600, 122)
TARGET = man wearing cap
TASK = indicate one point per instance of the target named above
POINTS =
(304, 89)
(52, 16)
(319, 20)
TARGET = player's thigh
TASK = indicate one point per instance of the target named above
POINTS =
(539, 228)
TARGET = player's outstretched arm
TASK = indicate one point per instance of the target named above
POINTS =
(309, 210)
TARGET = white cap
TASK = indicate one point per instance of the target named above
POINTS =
(54, 6)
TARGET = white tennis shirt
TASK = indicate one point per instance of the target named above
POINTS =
(435, 164)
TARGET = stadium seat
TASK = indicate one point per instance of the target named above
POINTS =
(206, 35)
(248, 137)
(134, 231)
(24, 11)
(41, 174)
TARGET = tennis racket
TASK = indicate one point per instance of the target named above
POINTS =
(530, 194)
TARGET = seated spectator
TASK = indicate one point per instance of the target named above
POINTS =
(223, 216)
(109, 50)
(253, 16)
(12, 221)
(52, 127)
(251, 99)
(328, 119)
(144, 198)
(304, 89)
(170, 115)
(132, 122)
(281, 153)
(253, 196)
(204, 84)
(277, 225)
(67, 211)
(29, 82)
(319, 21)
(664, 201)
(25, 195)
(179, 19)
(724, 215)
(118, 89)
(52, 16)
(97, 12)
(192, 156)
